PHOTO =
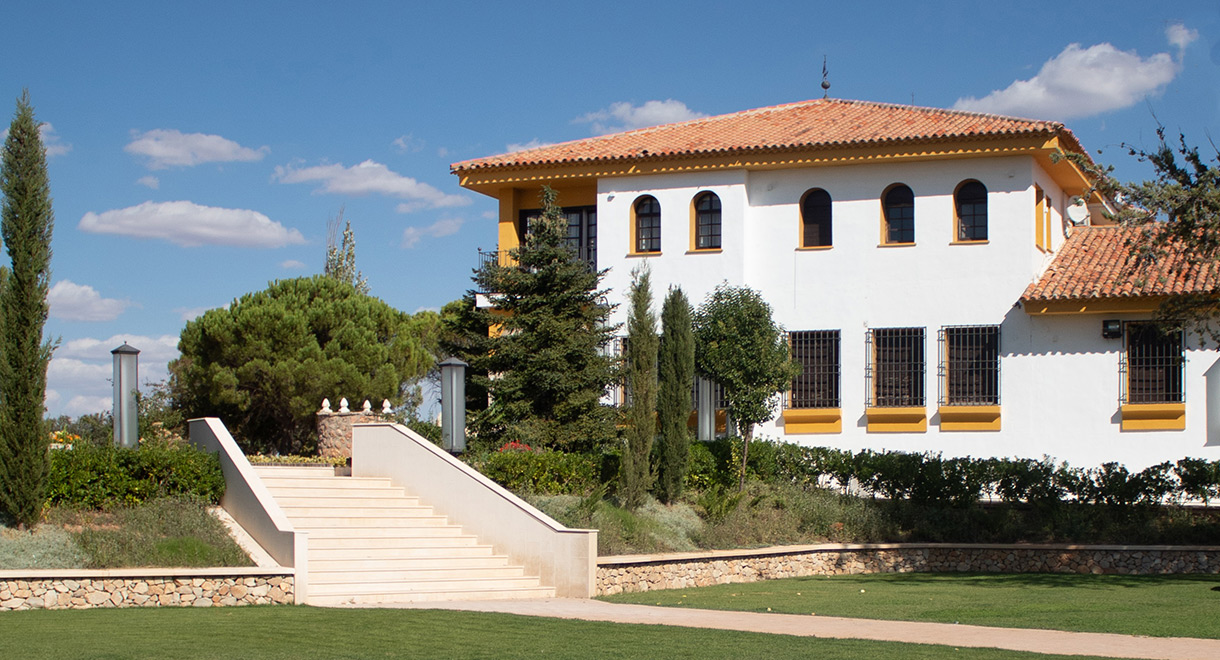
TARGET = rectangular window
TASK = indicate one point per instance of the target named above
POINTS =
(581, 234)
(817, 351)
(970, 365)
(895, 368)
(1152, 365)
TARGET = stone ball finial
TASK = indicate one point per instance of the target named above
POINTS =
(385, 407)
(367, 407)
(343, 405)
(325, 406)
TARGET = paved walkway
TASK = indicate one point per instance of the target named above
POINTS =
(1037, 641)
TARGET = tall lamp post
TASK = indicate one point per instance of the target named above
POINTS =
(126, 380)
(453, 405)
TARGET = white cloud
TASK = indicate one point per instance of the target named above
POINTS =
(367, 178)
(87, 405)
(192, 313)
(405, 143)
(1080, 82)
(171, 148)
(1180, 36)
(190, 225)
(81, 302)
(444, 227)
(532, 144)
(623, 116)
(292, 264)
(158, 349)
(52, 144)
(149, 181)
(80, 371)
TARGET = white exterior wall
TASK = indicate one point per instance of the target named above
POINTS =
(1059, 377)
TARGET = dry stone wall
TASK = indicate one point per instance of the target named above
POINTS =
(647, 573)
(82, 593)
(335, 427)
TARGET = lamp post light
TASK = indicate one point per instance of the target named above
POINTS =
(126, 380)
(453, 405)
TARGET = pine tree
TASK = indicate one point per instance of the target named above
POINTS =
(26, 221)
(636, 476)
(548, 351)
(676, 368)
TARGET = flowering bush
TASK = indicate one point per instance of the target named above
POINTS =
(515, 446)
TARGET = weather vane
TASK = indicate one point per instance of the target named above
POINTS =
(825, 80)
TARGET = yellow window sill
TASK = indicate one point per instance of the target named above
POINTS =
(644, 254)
(814, 248)
(813, 420)
(969, 418)
(969, 242)
(1154, 416)
(895, 245)
(912, 419)
(705, 251)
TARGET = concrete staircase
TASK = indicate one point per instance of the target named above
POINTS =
(369, 542)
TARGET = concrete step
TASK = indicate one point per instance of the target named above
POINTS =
(451, 549)
(382, 577)
(386, 510)
(423, 596)
(264, 471)
(482, 559)
(345, 500)
(378, 532)
(438, 584)
(331, 489)
(423, 535)
(339, 522)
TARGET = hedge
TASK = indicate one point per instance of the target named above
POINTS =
(103, 477)
(545, 472)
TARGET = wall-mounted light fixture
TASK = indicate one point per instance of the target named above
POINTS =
(1111, 328)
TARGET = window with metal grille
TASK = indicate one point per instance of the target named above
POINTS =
(647, 225)
(582, 230)
(971, 202)
(970, 365)
(899, 215)
(1151, 366)
(707, 222)
(894, 373)
(815, 216)
(817, 351)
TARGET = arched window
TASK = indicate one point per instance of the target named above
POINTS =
(971, 203)
(899, 206)
(647, 224)
(815, 219)
(707, 222)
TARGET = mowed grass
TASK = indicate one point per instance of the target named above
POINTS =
(1154, 605)
(293, 633)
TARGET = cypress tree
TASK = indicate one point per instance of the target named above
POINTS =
(636, 475)
(676, 367)
(26, 220)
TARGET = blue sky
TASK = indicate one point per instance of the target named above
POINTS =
(198, 149)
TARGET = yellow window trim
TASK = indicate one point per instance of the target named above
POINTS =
(969, 418)
(820, 248)
(982, 242)
(912, 419)
(890, 245)
(633, 255)
(631, 247)
(813, 420)
(1154, 416)
(703, 251)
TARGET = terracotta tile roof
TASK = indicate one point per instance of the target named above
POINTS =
(1096, 263)
(820, 123)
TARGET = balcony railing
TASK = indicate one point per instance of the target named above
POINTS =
(503, 258)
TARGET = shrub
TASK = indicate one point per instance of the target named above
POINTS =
(544, 472)
(103, 477)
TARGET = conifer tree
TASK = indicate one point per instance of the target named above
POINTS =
(676, 370)
(26, 221)
(548, 350)
(341, 256)
(636, 476)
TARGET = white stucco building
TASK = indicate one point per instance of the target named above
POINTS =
(944, 284)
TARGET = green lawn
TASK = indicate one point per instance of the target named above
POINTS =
(1155, 605)
(293, 633)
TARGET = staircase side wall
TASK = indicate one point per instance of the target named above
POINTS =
(251, 504)
(563, 558)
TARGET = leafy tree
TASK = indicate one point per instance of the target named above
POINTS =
(264, 364)
(26, 221)
(741, 348)
(635, 469)
(676, 367)
(341, 257)
(548, 344)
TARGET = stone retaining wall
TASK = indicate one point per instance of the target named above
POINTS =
(677, 571)
(107, 589)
